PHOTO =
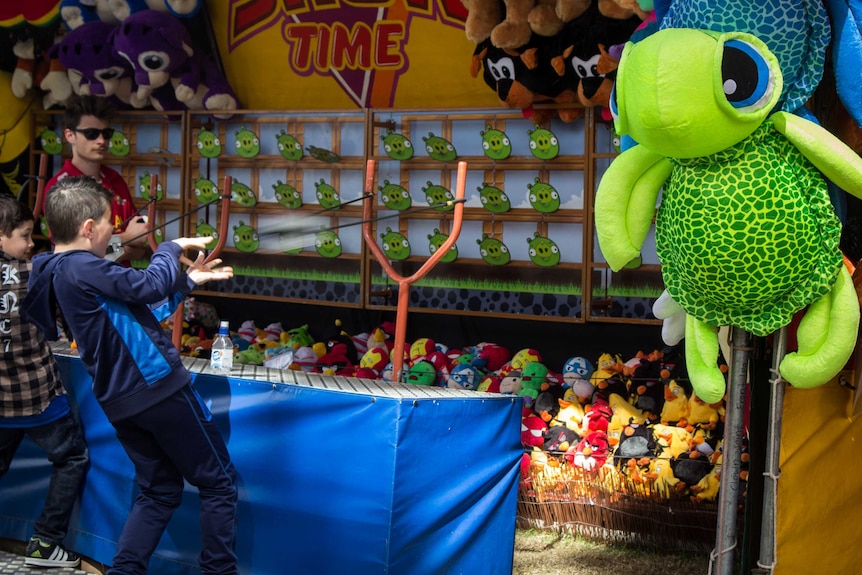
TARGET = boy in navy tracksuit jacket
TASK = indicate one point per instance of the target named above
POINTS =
(113, 313)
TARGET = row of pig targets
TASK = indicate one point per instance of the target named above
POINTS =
(206, 192)
(496, 145)
(398, 147)
(246, 239)
(543, 197)
(52, 143)
(327, 244)
(543, 251)
(247, 144)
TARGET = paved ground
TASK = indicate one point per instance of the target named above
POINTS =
(11, 564)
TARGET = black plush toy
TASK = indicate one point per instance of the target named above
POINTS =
(524, 77)
(636, 441)
(559, 438)
(582, 58)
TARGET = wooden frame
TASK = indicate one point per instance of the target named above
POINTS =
(581, 280)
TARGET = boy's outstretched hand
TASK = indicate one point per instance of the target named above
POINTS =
(201, 272)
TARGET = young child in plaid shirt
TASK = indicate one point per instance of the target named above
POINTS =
(33, 401)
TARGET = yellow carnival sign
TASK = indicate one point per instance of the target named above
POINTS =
(342, 54)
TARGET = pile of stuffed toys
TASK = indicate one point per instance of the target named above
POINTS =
(626, 426)
(551, 51)
(138, 53)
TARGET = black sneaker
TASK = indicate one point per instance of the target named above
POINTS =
(42, 554)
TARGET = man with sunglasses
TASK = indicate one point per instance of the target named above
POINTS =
(88, 132)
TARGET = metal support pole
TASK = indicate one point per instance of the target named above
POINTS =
(728, 496)
(771, 472)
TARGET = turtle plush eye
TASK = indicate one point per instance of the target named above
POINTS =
(747, 78)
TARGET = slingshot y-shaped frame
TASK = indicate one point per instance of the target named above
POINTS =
(405, 282)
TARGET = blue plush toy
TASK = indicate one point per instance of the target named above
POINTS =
(847, 53)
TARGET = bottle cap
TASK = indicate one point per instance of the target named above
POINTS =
(224, 323)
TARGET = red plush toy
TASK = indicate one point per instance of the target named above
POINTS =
(533, 428)
(591, 452)
(335, 361)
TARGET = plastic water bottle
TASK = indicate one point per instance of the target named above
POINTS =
(221, 358)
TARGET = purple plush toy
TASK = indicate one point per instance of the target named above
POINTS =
(93, 68)
(159, 48)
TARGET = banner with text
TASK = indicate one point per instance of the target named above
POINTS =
(345, 54)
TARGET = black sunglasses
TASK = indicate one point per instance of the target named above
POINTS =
(93, 133)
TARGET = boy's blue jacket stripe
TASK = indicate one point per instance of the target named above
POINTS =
(115, 312)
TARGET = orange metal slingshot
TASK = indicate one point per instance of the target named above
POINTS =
(224, 217)
(405, 282)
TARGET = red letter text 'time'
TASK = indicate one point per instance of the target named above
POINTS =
(252, 15)
(337, 47)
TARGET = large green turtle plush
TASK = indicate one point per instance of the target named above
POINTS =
(745, 230)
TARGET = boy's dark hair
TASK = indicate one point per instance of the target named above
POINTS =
(86, 105)
(12, 215)
(72, 201)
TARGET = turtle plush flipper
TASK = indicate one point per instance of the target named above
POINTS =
(701, 358)
(625, 203)
(830, 155)
(826, 336)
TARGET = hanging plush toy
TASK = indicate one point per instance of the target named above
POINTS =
(745, 231)
(795, 31)
(160, 50)
(847, 54)
(93, 68)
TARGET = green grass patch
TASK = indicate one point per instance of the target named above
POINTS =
(294, 274)
(487, 284)
(627, 291)
(470, 283)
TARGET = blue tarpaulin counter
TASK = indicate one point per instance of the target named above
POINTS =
(336, 475)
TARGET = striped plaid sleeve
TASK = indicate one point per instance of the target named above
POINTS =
(29, 378)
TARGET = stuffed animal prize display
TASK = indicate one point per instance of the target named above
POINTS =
(745, 231)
